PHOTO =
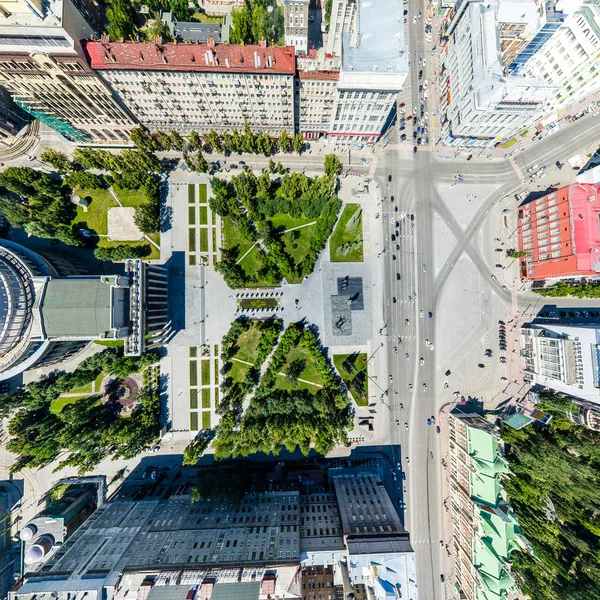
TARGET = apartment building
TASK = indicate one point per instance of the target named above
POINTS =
(485, 530)
(481, 106)
(12, 118)
(200, 86)
(564, 358)
(295, 14)
(373, 70)
(43, 68)
(342, 21)
(560, 235)
(316, 97)
(566, 56)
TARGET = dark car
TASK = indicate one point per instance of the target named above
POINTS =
(393, 238)
(397, 246)
(403, 476)
(401, 128)
(420, 88)
(402, 105)
(393, 257)
(437, 428)
(558, 165)
(469, 157)
(394, 299)
(405, 12)
(395, 209)
(241, 163)
(415, 133)
(392, 198)
(419, 141)
(430, 315)
(403, 137)
(397, 276)
(389, 177)
(415, 149)
(481, 366)
(421, 74)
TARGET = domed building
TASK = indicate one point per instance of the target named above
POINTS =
(45, 316)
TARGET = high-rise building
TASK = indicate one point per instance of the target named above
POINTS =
(9, 557)
(485, 530)
(12, 118)
(296, 24)
(558, 231)
(200, 86)
(342, 20)
(47, 313)
(480, 104)
(565, 358)
(43, 67)
(275, 544)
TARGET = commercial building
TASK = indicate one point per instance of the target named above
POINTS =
(564, 358)
(9, 555)
(481, 105)
(200, 86)
(485, 530)
(265, 546)
(342, 20)
(43, 68)
(12, 118)
(295, 14)
(559, 232)
(374, 68)
(47, 312)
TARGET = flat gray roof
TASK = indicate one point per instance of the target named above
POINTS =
(235, 591)
(169, 592)
(77, 307)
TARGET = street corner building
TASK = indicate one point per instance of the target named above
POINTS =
(49, 309)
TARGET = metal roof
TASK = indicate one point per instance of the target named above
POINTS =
(77, 307)
(169, 592)
(235, 591)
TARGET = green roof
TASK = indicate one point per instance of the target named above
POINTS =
(482, 445)
(77, 306)
(236, 591)
(169, 592)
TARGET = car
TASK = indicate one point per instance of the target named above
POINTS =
(437, 428)
(424, 387)
(415, 149)
(481, 366)
(410, 298)
(499, 250)
(422, 313)
(409, 117)
(420, 77)
(398, 277)
(403, 137)
(442, 578)
(395, 209)
(393, 237)
(311, 18)
(407, 322)
(428, 421)
(469, 157)
(401, 406)
(406, 426)
(398, 466)
(422, 361)
(403, 103)
(396, 349)
(427, 342)
(241, 163)
(430, 315)
(393, 257)
(558, 165)
(403, 476)
(419, 141)
(389, 178)
(441, 543)
(432, 419)
(431, 347)
(415, 134)
(391, 379)
(414, 20)
(394, 300)
(407, 460)
(420, 88)
(394, 475)
(407, 356)
(424, 268)
(410, 387)
(501, 323)
(397, 246)
(503, 379)
(392, 199)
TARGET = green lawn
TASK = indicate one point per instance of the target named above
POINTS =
(96, 217)
(202, 193)
(238, 370)
(203, 239)
(343, 235)
(194, 421)
(361, 368)
(59, 403)
(232, 237)
(192, 239)
(203, 215)
(206, 398)
(191, 215)
(247, 344)
(193, 372)
(509, 143)
(283, 220)
(130, 197)
(205, 372)
(309, 373)
(84, 389)
(194, 398)
(191, 193)
(109, 343)
(206, 420)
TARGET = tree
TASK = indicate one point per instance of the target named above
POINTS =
(195, 449)
(283, 144)
(201, 163)
(298, 142)
(57, 159)
(63, 233)
(85, 180)
(332, 166)
(241, 26)
(121, 20)
(517, 253)
(261, 24)
(122, 252)
(328, 7)
(214, 141)
(177, 142)
(294, 370)
(194, 141)
(143, 140)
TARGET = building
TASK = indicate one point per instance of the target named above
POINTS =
(564, 358)
(44, 535)
(194, 32)
(200, 86)
(48, 313)
(481, 105)
(266, 546)
(373, 70)
(485, 530)
(43, 67)
(295, 13)
(564, 55)
(9, 557)
(12, 118)
(342, 20)
(559, 232)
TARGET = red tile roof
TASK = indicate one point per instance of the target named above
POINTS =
(333, 75)
(147, 56)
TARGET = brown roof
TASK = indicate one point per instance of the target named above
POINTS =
(335, 75)
(142, 56)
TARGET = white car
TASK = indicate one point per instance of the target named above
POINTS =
(424, 268)
(407, 460)
(424, 387)
(406, 356)
(422, 314)
(422, 361)
(427, 342)
(406, 426)
(414, 20)
(410, 387)
(431, 346)
(424, 61)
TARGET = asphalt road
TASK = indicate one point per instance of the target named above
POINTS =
(412, 288)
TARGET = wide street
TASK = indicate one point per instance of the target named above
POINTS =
(442, 263)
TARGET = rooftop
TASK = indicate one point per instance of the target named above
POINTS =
(377, 51)
(77, 306)
(208, 57)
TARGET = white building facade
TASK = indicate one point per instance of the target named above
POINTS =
(296, 24)
(200, 86)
